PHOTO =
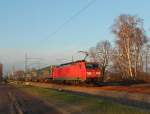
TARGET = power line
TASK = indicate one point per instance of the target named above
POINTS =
(29, 61)
(71, 18)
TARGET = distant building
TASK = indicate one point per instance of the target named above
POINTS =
(19, 74)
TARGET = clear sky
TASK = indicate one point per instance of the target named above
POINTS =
(26, 26)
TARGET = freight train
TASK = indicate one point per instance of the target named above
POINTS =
(72, 72)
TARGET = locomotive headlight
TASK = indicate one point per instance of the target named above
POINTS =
(89, 73)
(97, 73)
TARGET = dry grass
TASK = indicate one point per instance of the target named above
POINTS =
(76, 104)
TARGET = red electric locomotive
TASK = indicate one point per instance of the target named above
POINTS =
(77, 71)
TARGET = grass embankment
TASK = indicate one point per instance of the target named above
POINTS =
(76, 104)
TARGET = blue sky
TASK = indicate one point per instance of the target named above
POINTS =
(26, 25)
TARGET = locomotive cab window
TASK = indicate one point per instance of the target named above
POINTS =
(92, 66)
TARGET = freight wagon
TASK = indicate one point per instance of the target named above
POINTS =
(82, 71)
(42, 75)
(45, 74)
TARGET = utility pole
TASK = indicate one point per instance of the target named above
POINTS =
(146, 61)
(26, 62)
(13, 72)
(72, 59)
(28, 59)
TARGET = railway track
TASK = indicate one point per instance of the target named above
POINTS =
(140, 94)
(15, 107)
(143, 88)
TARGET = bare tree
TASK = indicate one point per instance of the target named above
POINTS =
(92, 54)
(118, 62)
(101, 54)
(130, 39)
(146, 57)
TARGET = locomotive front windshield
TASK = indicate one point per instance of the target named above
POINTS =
(92, 66)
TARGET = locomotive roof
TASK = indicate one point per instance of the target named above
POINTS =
(47, 67)
(72, 62)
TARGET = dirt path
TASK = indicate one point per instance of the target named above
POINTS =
(13, 101)
(4, 100)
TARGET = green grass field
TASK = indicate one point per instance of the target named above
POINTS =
(77, 104)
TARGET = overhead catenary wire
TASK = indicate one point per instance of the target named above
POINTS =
(59, 28)
(70, 19)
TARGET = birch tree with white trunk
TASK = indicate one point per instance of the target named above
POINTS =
(130, 37)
